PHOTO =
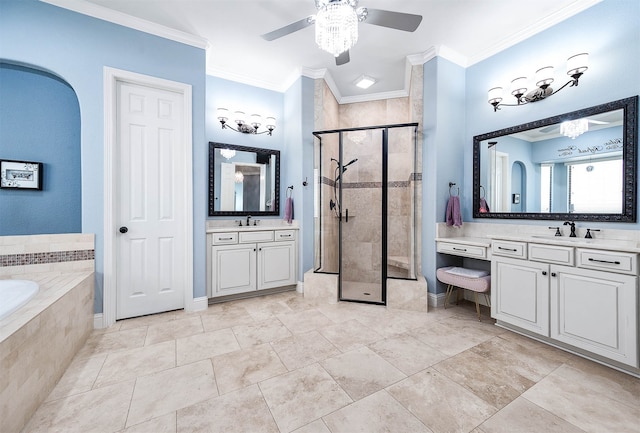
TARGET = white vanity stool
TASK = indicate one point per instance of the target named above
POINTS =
(470, 279)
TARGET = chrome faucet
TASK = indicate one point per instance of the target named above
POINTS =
(573, 228)
(249, 217)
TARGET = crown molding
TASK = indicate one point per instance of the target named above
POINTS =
(115, 17)
(553, 19)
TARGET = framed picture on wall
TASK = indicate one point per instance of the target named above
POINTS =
(20, 174)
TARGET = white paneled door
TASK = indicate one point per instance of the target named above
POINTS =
(149, 198)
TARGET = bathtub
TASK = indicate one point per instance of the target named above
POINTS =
(39, 338)
(14, 294)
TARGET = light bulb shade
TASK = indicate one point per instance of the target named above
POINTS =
(577, 64)
(519, 86)
(544, 76)
(574, 128)
(239, 117)
(271, 123)
(222, 114)
(336, 27)
(495, 95)
(256, 120)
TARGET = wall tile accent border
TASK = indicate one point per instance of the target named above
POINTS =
(414, 177)
(48, 257)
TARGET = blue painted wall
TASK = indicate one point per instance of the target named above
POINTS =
(76, 48)
(241, 97)
(608, 31)
(40, 121)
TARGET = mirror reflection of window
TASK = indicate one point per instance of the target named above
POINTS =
(595, 186)
(546, 182)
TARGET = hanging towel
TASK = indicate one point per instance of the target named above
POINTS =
(453, 216)
(288, 210)
(484, 206)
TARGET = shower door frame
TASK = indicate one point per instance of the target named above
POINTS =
(385, 187)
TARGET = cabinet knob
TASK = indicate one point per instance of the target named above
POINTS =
(544, 272)
(123, 230)
(553, 274)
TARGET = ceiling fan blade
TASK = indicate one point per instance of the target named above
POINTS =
(548, 129)
(343, 58)
(393, 20)
(293, 27)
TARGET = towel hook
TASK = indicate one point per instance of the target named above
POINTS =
(289, 193)
(482, 191)
(451, 185)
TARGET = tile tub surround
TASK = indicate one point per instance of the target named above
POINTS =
(24, 255)
(38, 341)
(442, 372)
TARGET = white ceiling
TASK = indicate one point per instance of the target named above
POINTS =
(463, 31)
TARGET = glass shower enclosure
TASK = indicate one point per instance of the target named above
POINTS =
(365, 208)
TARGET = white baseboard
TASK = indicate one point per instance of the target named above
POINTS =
(436, 300)
(300, 287)
(199, 304)
(98, 323)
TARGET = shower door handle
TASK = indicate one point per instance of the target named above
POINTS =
(346, 215)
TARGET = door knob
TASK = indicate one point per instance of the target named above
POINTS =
(123, 229)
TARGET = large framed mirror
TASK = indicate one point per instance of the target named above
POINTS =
(243, 180)
(577, 166)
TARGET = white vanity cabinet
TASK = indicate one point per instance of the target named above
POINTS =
(585, 299)
(246, 261)
(521, 293)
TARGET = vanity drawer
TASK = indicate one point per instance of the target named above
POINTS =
(462, 250)
(551, 254)
(509, 249)
(285, 235)
(224, 238)
(625, 263)
(257, 236)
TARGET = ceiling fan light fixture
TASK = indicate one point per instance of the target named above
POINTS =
(336, 26)
(574, 128)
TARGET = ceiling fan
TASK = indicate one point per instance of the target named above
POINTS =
(337, 25)
(556, 128)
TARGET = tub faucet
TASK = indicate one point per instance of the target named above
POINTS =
(249, 217)
(573, 228)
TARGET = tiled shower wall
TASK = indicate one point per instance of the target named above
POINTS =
(362, 181)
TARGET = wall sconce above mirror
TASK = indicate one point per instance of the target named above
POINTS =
(243, 180)
(576, 66)
(540, 170)
(255, 121)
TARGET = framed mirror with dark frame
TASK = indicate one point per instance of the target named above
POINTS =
(579, 166)
(243, 180)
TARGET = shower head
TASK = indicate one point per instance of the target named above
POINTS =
(350, 162)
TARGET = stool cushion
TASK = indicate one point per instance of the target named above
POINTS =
(475, 284)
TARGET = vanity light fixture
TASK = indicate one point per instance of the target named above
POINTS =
(364, 81)
(576, 65)
(255, 121)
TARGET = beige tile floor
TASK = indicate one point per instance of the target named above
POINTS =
(281, 364)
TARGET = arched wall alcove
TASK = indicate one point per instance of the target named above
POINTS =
(40, 122)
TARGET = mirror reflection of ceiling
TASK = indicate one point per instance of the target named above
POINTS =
(232, 29)
(596, 122)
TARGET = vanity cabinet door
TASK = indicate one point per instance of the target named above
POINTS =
(233, 269)
(276, 264)
(595, 311)
(520, 294)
